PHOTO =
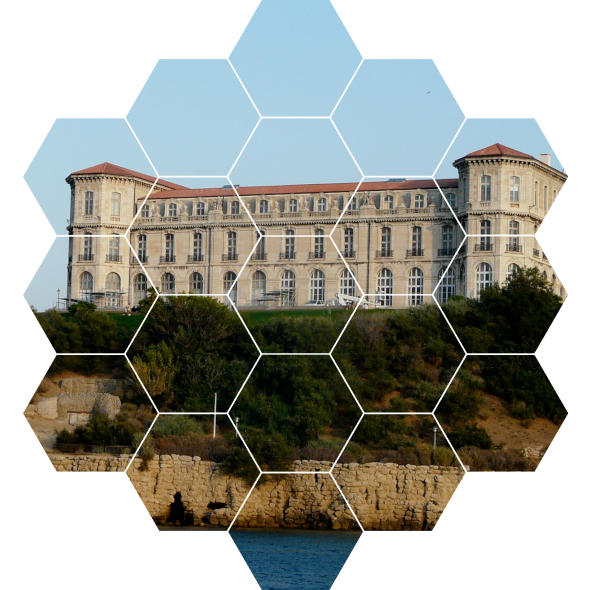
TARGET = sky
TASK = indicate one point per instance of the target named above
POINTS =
(398, 117)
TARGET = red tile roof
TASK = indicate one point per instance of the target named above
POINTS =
(294, 189)
(498, 149)
(106, 168)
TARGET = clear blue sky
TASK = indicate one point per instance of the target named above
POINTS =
(193, 117)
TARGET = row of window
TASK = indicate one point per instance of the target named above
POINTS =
(386, 242)
(317, 284)
(486, 191)
(89, 204)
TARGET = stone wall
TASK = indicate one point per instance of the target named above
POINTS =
(384, 496)
(88, 385)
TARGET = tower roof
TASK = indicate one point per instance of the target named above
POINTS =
(107, 168)
(497, 149)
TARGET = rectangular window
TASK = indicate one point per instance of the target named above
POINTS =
(235, 208)
(172, 210)
(145, 210)
(142, 248)
(322, 203)
(198, 247)
(486, 188)
(89, 203)
(319, 243)
(419, 201)
(290, 244)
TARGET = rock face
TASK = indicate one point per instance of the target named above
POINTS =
(47, 408)
(87, 402)
(384, 496)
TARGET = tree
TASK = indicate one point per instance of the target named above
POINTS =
(152, 376)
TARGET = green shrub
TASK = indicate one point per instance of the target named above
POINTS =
(443, 456)
(176, 425)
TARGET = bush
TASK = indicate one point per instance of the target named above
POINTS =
(495, 460)
(443, 456)
(470, 436)
(176, 425)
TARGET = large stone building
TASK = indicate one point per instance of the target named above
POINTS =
(398, 237)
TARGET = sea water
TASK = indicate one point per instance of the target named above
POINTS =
(289, 559)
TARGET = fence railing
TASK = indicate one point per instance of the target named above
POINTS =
(84, 449)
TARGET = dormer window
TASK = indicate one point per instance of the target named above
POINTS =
(235, 208)
(388, 202)
(145, 210)
(200, 209)
(322, 204)
(292, 205)
(486, 188)
(263, 206)
(419, 202)
(172, 210)
(451, 199)
(353, 204)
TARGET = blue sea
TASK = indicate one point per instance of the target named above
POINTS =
(289, 559)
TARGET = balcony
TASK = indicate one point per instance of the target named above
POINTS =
(168, 258)
(384, 253)
(85, 257)
(514, 248)
(446, 251)
(317, 255)
(349, 254)
(114, 258)
(288, 255)
(260, 256)
(229, 257)
(414, 252)
(290, 214)
(195, 258)
(484, 247)
(232, 216)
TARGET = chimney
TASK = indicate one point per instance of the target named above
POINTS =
(546, 159)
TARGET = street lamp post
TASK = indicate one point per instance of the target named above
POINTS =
(435, 430)
(57, 304)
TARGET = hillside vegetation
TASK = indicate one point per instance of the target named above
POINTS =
(348, 386)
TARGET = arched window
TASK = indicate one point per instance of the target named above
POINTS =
(197, 247)
(348, 242)
(292, 205)
(232, 245)
(235, 208)
(290, 244)
(199, 209)
(385, 287)
(196, 283)
(486, 188)
(89, 203)
(168, 283)
(416, 287)
(319, 243)
(485, 241)
(514, 240)
(172, 210)
(140, 287)
(88, 254)
(288, 288)
(142, 248)
(263, 208)
(483, 277)
(447, 240)
(86, 286)
(419, 201)
(511, 271)
(113, 290)
(446, 289)
(386, 242)
(452, 200)
(228, 283)
(113, 255)
(536, 202)
(322, 204)
(417, 241)
(318, 286)
(388, 202)
(514, 189)
(258, 287)
(116, 204)
(169, 256)
(347, 283)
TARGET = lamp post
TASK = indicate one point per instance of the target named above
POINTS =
(435, 430)
(237, 422)
(57, 304)
(215, 415)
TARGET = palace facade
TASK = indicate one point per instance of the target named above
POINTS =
(398, 237)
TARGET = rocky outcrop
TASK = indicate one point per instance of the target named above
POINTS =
(88, 402)
(384, 496)
(47, 408)
(88, 385)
